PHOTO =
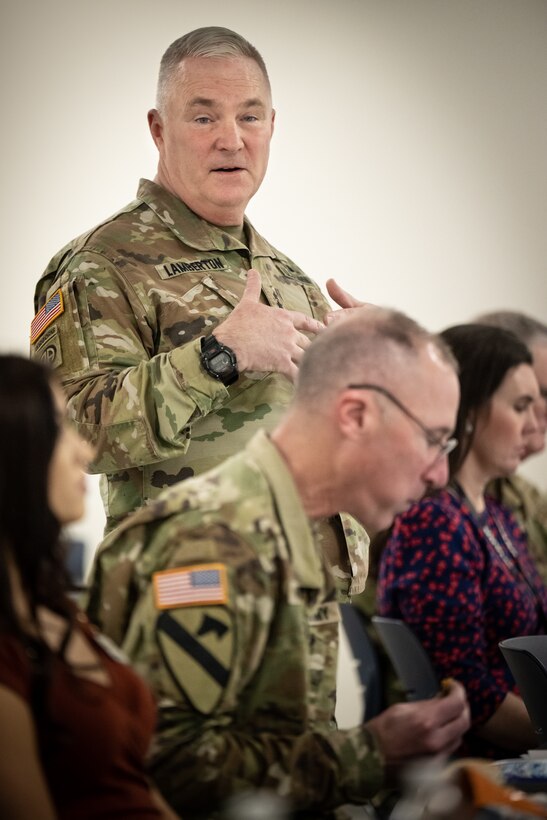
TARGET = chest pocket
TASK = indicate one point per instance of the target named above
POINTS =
(229, 291)
(287, 288)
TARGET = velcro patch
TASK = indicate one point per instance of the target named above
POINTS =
(198, 585)
(176, 267)
(46, 315)
(197, 646)
(48, 348)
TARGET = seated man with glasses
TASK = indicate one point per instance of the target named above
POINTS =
(220, 593)
(456, 566)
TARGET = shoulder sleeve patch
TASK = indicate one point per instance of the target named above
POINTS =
(46, 315)
(197, 645)
(198, 585)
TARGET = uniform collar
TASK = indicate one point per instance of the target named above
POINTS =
(195, 231)
(306, 561)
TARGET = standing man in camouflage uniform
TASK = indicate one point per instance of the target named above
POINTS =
(528, 502)
(222, 598)
(176, 328)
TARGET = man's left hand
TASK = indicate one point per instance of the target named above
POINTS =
(345, 300)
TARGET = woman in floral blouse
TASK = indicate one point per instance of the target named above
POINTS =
(456, 566)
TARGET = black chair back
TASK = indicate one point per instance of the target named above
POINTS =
(409, 658)
(368, 665)
(526, 657)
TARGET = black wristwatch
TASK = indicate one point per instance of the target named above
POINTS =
(218, 360)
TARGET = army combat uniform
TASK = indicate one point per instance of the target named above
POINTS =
(121, 311)
(138, 293)
(222, 599)
(530, 508)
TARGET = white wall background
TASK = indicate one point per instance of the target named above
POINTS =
(409, 159)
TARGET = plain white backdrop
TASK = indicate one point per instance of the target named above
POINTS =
(408, 161)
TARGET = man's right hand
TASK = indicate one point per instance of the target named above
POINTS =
(266, 338)
(422, 728)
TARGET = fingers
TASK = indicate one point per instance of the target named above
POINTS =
(345, 313)
(253, 286)
(302, 341)
(447, 738)
(301, 345)
(452, 718)
(292, 372)
(453, 701)
(334, 316)
(302, 322)
(266, 338)
(341, 296)
(423, 727)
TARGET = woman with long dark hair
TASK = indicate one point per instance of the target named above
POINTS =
(456, 566)
(75, 723)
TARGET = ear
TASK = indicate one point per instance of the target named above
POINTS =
(354, 413)
(272, 123)
(155, 124)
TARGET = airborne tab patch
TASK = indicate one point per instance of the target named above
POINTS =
(201, 584)
(175, 268)
(46, 315)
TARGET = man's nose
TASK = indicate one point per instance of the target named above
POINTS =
(437, 474)
(229, 136)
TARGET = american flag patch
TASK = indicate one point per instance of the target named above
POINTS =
(190, 586)
(45, 316)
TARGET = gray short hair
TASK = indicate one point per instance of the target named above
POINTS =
(209, 41)
(366, 346)
(524, 327)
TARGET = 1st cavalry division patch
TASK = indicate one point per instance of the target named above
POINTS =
(194, 630)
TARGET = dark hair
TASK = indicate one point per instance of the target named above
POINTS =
(485, 354)
(29, 532)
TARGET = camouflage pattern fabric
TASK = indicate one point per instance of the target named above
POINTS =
(139, 291)
(530, 508)
(245, 675)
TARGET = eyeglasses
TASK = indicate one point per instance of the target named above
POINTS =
(433, 438)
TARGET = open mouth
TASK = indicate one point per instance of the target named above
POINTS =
(226, 170)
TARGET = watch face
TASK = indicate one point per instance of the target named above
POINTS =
(221, 362)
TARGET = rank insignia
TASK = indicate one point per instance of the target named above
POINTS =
(46, 315)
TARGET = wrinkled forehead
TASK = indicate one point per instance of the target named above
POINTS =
(430, 386)
(209, 77)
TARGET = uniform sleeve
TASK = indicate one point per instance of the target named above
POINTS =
(229, 680)
(430, 577)
(532, 559)
(532, 516)
(131, 368)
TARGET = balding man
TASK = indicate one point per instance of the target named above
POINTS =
(221, 595)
